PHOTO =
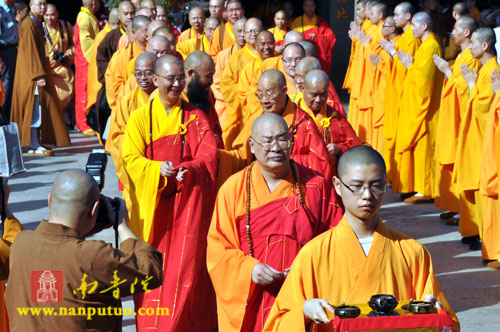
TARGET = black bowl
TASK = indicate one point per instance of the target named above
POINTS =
(383, 302)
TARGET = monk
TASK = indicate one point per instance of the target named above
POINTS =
(224, 35)
(194, 39)
(293, 36)
(408, 44)
(199, 69)
(254, 236)
(265, 49)
(309, 148)
(417, 122)
(337, 133)
(116, 74)
(93, 84)
(454, 100)
(354, 27)
(170, 35)
(371, 43)
(383, 64)
(466, 173)
(170, 155)
(150, 5)
(380, 260)
(86, 30)
(197, 20)
(59, 40)
(489, 184)
(303, 67)
(216, 8)
(155, 25)
(221, 62)
(315, 29)
(230, 76)
(35, 106)
(452, 50)
(280, 29)
(210, 25)
(138, 97)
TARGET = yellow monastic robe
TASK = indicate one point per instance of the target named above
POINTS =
(416, 131)
(349, 72)
(276, 63)
(454, 100)
(489, 183)
(220, 63)
(357, 69)
(93, 84)
(222, 38)
(279, 35)
(117, 71)
(194, 44)
(408, 44)
(396, 264)
(364, 123)
(247, 82)
(119, 118)
(123, 42)
(466, 173)
(382, 72)
(189, 34)
(229, 90)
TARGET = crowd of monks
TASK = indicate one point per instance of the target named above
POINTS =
(233, 150)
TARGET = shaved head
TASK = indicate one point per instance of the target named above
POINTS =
(293, 37)
(310, 48)
(303, 67)
(113, 17)
(169, 34)
(268, 118)
(272, 78)
(166, 60)
(271, 91)
(360, 156)
(239, 31)
(145, 12)
(197, 59)
(265, 44)
(140, 22)
(252, 27)
(423, 18)
(146, 58)
(468, 22)
(159, 45)
(126, 13)
(315, 93)
(155, 25)
(486, 35)
(73, 195)
(406, 8)
(460, 8)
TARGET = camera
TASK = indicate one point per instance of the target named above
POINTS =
(103, 221)
(59, 57)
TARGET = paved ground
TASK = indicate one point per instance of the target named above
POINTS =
(472, 289)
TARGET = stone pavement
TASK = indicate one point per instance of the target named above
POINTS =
(472, 289)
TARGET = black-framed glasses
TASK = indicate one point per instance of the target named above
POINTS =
(282, 142)
(171, 79)
(358, 189)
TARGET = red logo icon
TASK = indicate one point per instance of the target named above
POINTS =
(46, 286)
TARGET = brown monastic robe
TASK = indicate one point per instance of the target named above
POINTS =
(31, 65)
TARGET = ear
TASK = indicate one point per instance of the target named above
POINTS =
(190, 73)
(285, 89)
(336, 184)
(425, 26)
(155, 80)
(252, 145)
(485, 46)
(95, 208)
(408, 17)
(50, 199)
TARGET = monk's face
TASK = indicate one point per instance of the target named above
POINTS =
(234, 12)
(400, 18)
(265, 45)
(459, 33)
(309, 7)
(144, 71)
(197, 19)
(51, 16)
(291, 56)
(388, 28)
(280, 20)
(375, 16)
(216, 7)
(316, 94)
(151, 6)
(159, 47)
(39, 7)
(126, 14)
(271, 96)
(418, 28)
(210, 27)
(271, 146)
(205, 73)
(477, 48)
(141, 35)
(161, 14)
(360, 11)
(362, 189)
(252, 29)
(300, 74)
(136, 3)
(239, 34)
(170, 81)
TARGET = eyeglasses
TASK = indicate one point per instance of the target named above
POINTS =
(146, 74)
(171, 79)
(357, 189)
(253, 32)
(283, 143)
(290, 60)
(266, 96)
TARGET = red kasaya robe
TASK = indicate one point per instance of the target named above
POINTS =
(279, 226)
(173, 216)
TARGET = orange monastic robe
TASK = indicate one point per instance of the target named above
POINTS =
(381, 76)
(489, 183)
(279, 227)
(194, 44)
(220, 63)
(117, 71)
(188, 34)
(172, 216)
(247, 82)
(454, 100)
(222, 38)
(93, 84)
(408, 44)
(416, 130)
(364, 124)
(229, 90)
(279, 35)
(324, 269)
(276, 63)
(466, 173)
(349, 72)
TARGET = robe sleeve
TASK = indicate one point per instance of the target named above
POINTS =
(226, 261)
(35, 66)
(11, 228)
(114, 77)
(86, 38)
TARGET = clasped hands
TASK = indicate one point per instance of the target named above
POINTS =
(167, 169)
(314, 309)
